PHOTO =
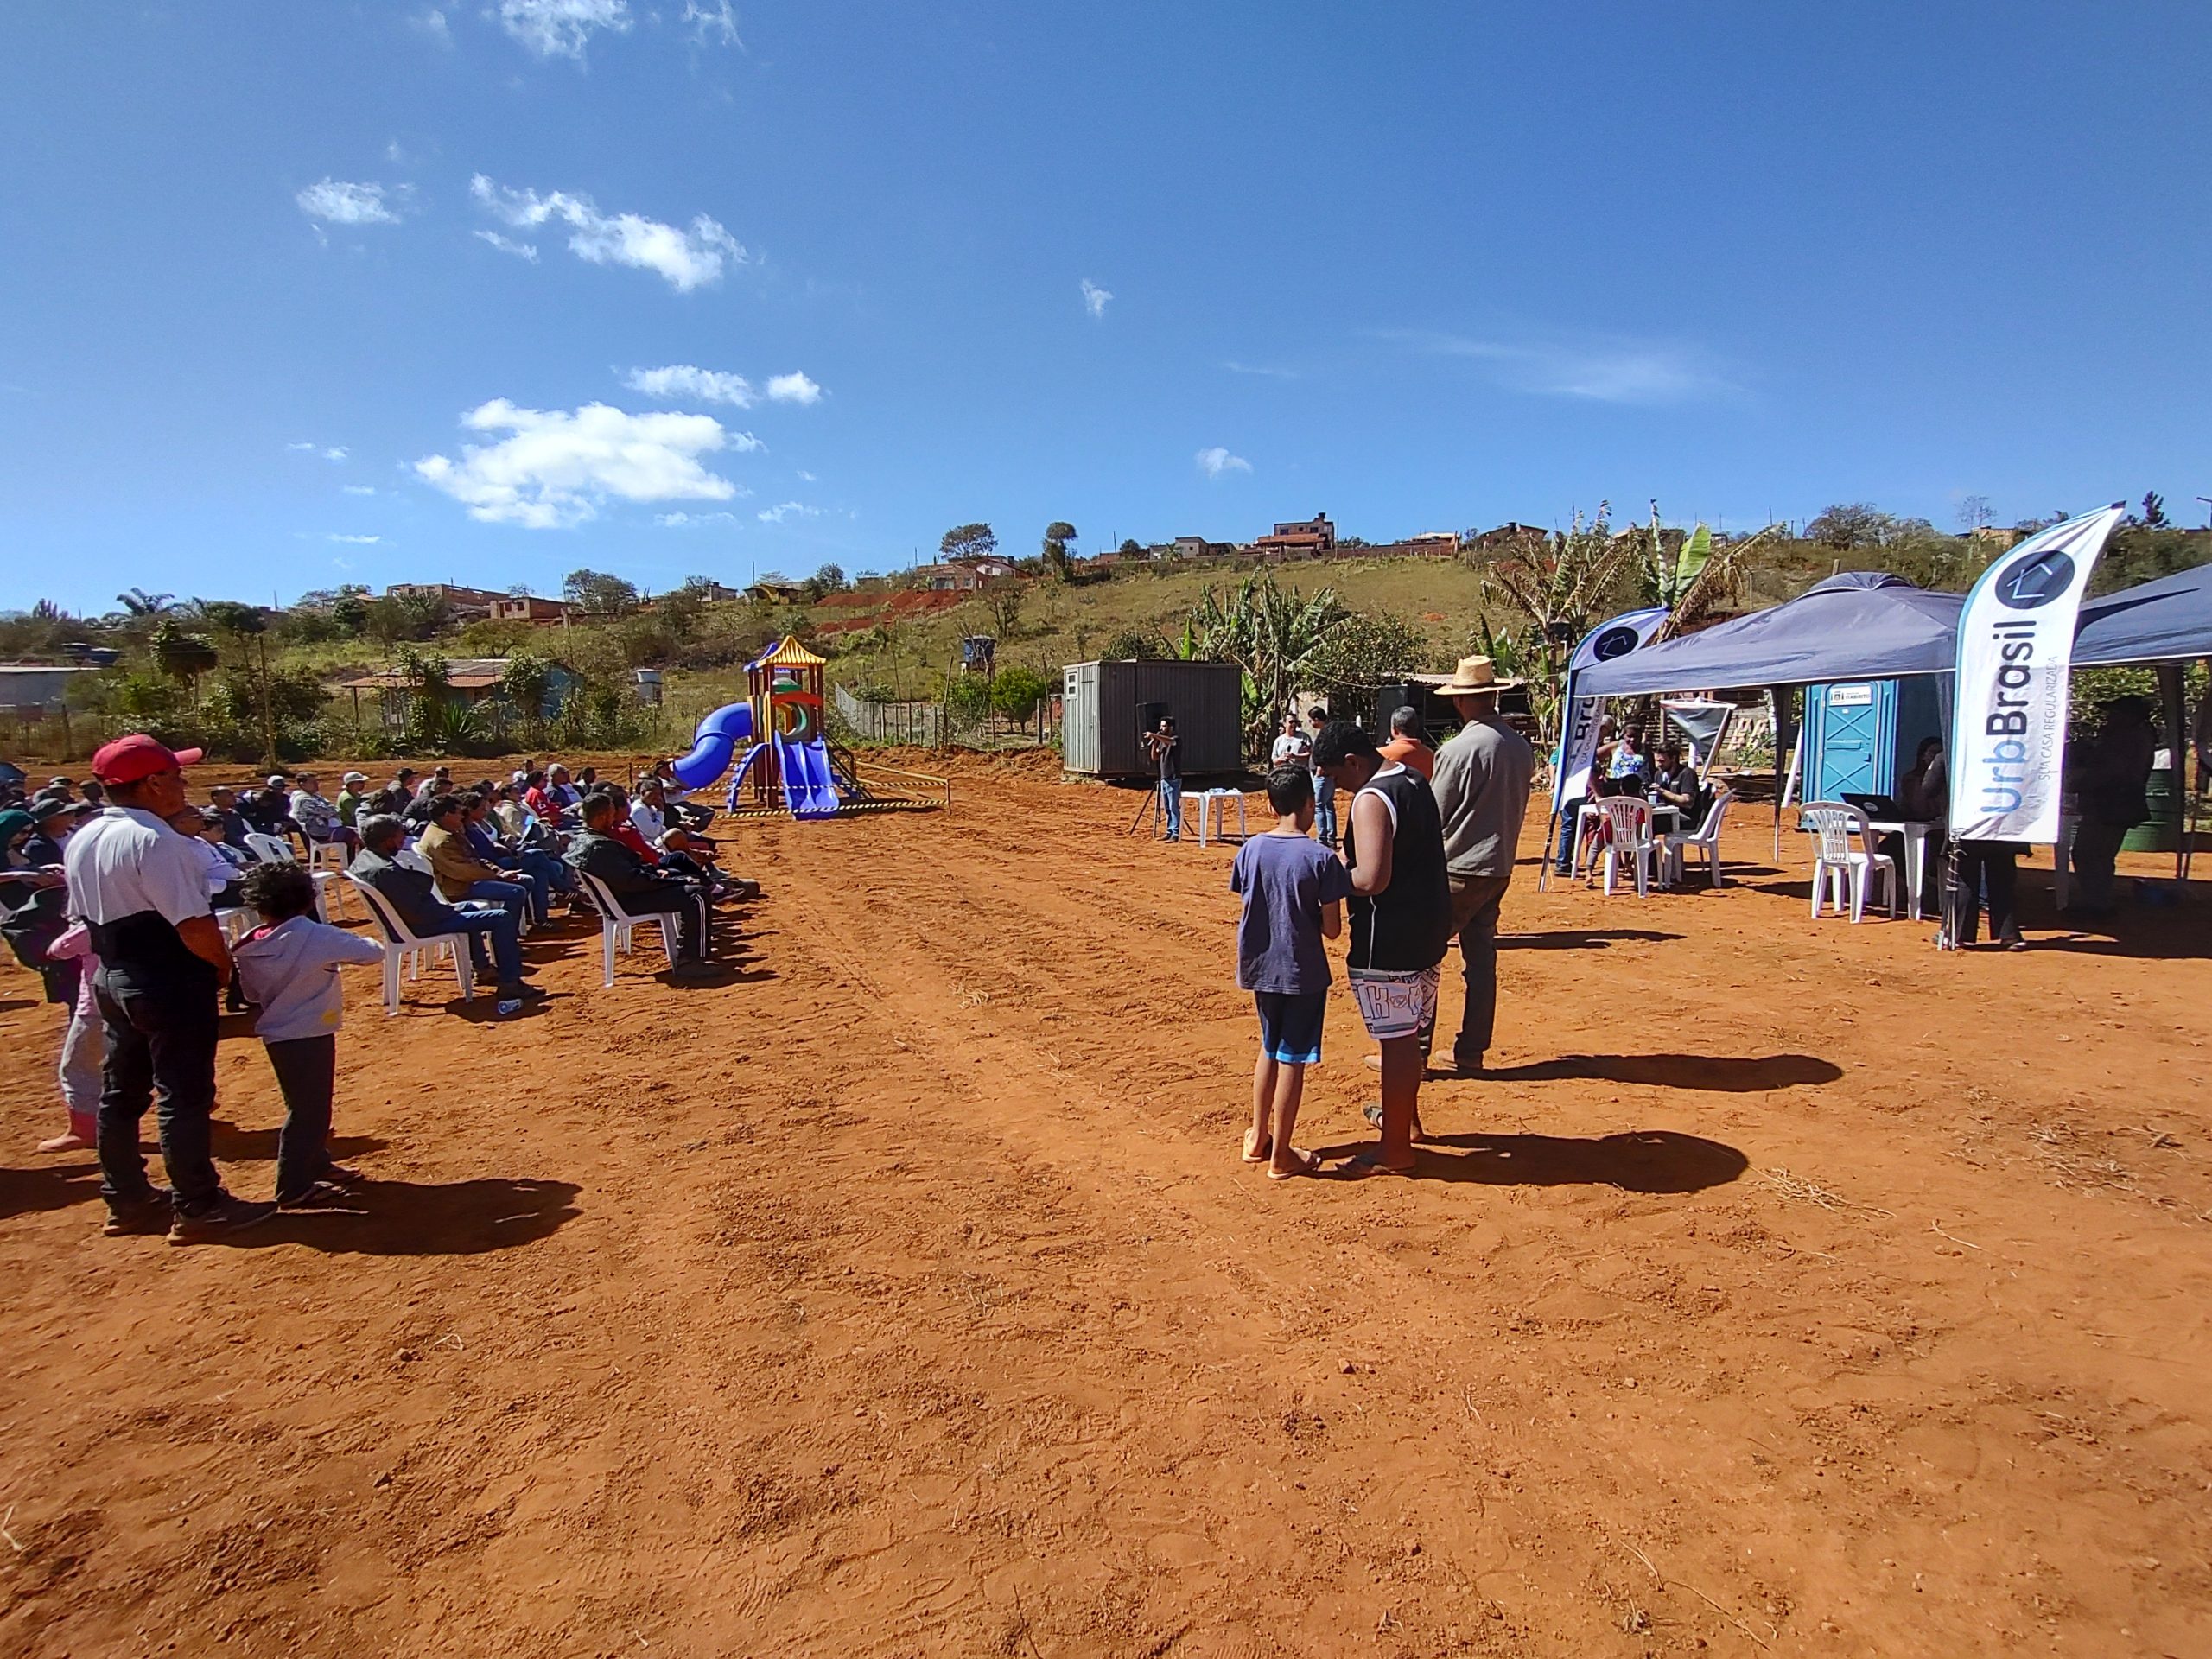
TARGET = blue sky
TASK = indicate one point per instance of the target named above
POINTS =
(299, 293)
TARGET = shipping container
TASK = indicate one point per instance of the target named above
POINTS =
(1104, 705)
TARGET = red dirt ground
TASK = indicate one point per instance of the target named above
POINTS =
(1792, 1289)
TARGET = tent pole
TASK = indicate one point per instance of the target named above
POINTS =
(1551, 840)
(2170, 691)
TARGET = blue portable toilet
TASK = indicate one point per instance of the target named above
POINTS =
(1861, 735)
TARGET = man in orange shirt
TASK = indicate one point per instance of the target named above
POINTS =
(1407, 748)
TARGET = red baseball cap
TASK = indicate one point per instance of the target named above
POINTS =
(128, 760)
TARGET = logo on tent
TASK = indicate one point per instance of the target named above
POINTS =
(2033, 583)
(1613, 642)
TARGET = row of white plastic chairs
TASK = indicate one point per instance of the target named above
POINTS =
(1845, 863)
(404, 948)
(1626, 837)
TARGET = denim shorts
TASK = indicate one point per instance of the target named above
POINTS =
(1290, 1025)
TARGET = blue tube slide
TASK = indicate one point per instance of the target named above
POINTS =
(717, 737)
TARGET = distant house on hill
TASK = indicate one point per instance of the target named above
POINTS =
(483, 604)
(469, 681)
(1511, 533)
(1300, 538)
(964, 575)
(776, 592)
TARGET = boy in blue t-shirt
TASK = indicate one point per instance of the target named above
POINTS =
(1293, 890)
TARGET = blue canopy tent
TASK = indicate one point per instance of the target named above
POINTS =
(2156, 624)
(1857, 625)
(2164, 621)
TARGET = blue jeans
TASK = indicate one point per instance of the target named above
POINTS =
(556, 876)
(513, 894)
(505, 934)
(1171, 806)
(1324, 809)
(532, 882)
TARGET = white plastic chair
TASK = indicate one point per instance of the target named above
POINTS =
(1629, 822)
(274, 850)
(1706, 839)
(615, 928)
(401, 944)
(1843, 856)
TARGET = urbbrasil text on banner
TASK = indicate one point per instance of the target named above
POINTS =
(2016, 657)
(1577, 726)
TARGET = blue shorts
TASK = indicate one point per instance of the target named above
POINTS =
(1290, 1025)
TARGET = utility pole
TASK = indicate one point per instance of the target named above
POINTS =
(2207, 500)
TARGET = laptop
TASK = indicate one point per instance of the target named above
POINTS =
(1877, 806)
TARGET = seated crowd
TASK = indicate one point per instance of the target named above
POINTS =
(137, 916)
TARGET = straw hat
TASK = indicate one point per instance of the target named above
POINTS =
(1477, 674)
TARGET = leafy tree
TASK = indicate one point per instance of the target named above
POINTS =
(1003, 602)
(1017, 692)
(596, 593)
(967, 696)
(1054, 555)
(830, 579)
(182, 656)
(1975, 513)
(1849, 524)
(1130, 548)
(2153, 515)
(967, 541)
(1133, 646)
(137, 602)
(1366, 649)
(393, 619)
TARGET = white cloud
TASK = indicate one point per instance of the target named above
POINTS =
(687, 258)
(679, 380)
(358, 489)
(694, 520)
(342, 203)
(509, 244)
(805, 477)
(1094, 299)
(558, 28)
(793, 388)
(712, 20)
(331, 452)
(1235, 367)
(1216, 461)
(782, 510)
(433, 24)
(355, 541)
(556, 466)
(1603, 369)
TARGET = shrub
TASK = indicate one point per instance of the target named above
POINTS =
(1017, 692)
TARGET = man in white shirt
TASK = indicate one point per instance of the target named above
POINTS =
(318, 818)
(141, 888)
(1292, 748)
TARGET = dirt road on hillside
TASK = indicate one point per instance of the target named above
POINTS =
(1791, 1289)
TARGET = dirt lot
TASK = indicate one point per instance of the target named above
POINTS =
(1792, 1289)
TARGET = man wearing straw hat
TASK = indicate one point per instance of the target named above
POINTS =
(1482, 780)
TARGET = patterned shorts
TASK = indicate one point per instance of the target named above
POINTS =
(1395, 1003)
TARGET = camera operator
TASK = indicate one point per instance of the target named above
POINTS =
(1163, 749)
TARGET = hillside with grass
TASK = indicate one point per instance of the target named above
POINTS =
(250, 684)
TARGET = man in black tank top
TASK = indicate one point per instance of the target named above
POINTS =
(1400, 920)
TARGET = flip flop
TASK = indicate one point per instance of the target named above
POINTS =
(1309, 1164)
(1364, 1168)
(1373, 1113)
(1253, 1148)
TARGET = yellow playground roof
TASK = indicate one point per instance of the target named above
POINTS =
(789, 653)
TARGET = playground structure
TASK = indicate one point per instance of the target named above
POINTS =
(776, 738)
